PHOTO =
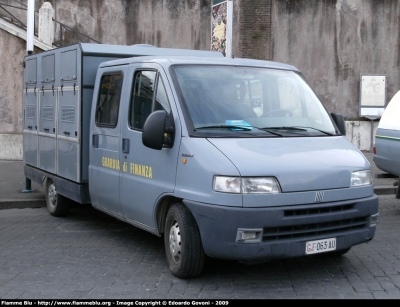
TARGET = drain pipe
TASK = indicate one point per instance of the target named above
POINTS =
(30, 26)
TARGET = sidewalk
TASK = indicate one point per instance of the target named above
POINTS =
(12, 183)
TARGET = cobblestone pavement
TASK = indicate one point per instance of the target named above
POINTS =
(89, 255)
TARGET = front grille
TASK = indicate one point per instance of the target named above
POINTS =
(308, 230)
(318, 210)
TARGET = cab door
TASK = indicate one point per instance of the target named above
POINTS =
(147, 174)
(105, 166)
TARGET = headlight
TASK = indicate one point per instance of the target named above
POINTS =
(227, 184)
(360, 178)
(260, 185)
(255, 185)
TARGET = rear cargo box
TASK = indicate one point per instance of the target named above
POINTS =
(58, 93)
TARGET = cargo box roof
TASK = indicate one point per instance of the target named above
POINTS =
(142, 50)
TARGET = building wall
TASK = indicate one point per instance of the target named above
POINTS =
(163, 23)
(12, 52)
(334, 41)
(254, 23)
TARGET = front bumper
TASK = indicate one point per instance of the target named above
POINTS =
(285, 230)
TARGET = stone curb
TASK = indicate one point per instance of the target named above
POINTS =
(384, 190)
(22, 204)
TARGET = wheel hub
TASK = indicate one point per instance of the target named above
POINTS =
(52, 193)
(175, 241)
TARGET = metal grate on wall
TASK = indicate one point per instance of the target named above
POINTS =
(31, 111)
(47, 113)
(68, 114)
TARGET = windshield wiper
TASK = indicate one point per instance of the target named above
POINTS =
(284, 128)
(225, 126)
(296, 128)
(322, 131)
(237, 128)
(268, 129)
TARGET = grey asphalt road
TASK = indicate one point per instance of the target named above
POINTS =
(89, 255)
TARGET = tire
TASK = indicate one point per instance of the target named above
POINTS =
(183, 247)
(57, 204)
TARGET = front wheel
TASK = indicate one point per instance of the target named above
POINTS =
(57, 204)
(183, 247)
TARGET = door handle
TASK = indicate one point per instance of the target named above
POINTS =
(95, 140)
(125, 146)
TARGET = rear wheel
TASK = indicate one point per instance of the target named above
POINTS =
(183, 247)
(57, 204)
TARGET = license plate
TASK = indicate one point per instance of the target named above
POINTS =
(320, 246)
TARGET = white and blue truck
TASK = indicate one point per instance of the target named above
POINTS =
(230, 158)
(387, 142)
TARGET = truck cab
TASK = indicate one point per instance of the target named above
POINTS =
(230, 158)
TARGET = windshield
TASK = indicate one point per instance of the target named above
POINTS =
(224, 101)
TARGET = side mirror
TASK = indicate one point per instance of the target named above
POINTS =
(156, 134)
(153, 130)
(339, 121)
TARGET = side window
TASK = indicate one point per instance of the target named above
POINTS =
(142, 98)
(161, 102)
(109, 100)
(146, 86)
